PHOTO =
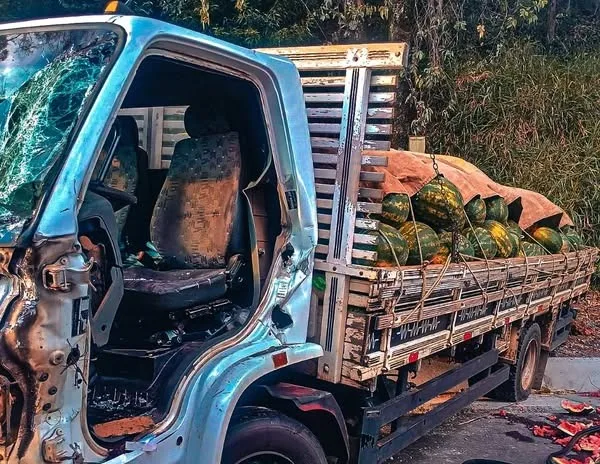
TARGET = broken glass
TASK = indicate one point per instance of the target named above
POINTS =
(46, 78)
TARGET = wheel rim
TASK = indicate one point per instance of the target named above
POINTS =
(265, 457)
(528, 370)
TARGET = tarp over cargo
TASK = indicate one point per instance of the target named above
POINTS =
(408, 172)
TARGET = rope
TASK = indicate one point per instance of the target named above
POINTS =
(482, 251)
(424, 295)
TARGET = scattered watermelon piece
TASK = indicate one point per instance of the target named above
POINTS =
(571, 428)
(556, 460)
(576, 407)
(552, 418)
(502, 413)
(590, 443)
(562, 441)
(544, 431)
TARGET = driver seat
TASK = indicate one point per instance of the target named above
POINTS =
(197, 222)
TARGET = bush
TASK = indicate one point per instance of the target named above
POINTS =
(532, 120)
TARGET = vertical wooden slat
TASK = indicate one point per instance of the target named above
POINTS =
(333, 326)
(344, 207)
(155, 152)
(352, 129)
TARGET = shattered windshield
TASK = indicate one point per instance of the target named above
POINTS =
(46, 78)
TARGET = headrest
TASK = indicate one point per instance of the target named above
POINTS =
(128, 130)
(205, 119)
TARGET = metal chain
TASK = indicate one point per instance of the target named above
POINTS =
(454, 245)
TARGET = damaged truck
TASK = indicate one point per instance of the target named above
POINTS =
(182, 269)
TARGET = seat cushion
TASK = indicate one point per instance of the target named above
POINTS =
(172, 290)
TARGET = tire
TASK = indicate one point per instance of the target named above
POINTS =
(264, 436)
(522, 373)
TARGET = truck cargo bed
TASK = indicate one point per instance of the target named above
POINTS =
(398, 316)
(372, 320)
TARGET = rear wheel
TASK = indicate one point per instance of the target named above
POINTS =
(522, 373)
(264, 436)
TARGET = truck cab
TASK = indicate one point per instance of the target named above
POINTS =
(140, 297)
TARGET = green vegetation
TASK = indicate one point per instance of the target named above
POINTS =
(511, 85)
(531, 120)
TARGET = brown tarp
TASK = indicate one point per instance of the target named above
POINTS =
(408, 172)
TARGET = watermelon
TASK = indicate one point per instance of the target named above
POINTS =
(482, 241)
(395, 209)
(575, 407)
(575, 240)
(442, 255)
(386, 256)
(496, 209)
(476, 211)
(566, 244)
(515, 241)
(464, 245)
(430, 243)
(531, 249)
(439, 204)
(572, 428)
(514, 228)
(502, 237)
(590, 443)
(548, 238)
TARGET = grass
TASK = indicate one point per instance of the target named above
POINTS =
(530, 120)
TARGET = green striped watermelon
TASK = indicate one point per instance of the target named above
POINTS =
(548, 238)
(515, 241)
(514, 228)
(496, 209)
(387, 256)
(531, 249)
(502, 237)
(566, 244)
(395, 209)
(464, 245)
(427, 238)
(476, 211)
(575, 240)
(482, 241)
(439, 204)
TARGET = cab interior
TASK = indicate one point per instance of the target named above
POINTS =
(182, 236)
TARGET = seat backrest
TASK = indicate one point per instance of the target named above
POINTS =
(197, 209)
(124, 170)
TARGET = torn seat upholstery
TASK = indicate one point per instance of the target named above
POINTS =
(196, 223)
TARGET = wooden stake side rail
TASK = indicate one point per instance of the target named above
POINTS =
(376, 342)
(370, 320)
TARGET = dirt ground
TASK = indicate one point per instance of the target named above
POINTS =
(584, 340)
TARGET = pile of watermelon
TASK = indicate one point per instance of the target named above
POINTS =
(587, 448)
(419, 229)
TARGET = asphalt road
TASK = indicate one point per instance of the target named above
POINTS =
(482, 432)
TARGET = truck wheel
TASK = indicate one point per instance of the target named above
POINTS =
(264, 436)
(522, 373)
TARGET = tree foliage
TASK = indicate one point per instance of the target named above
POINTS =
(509, 84)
